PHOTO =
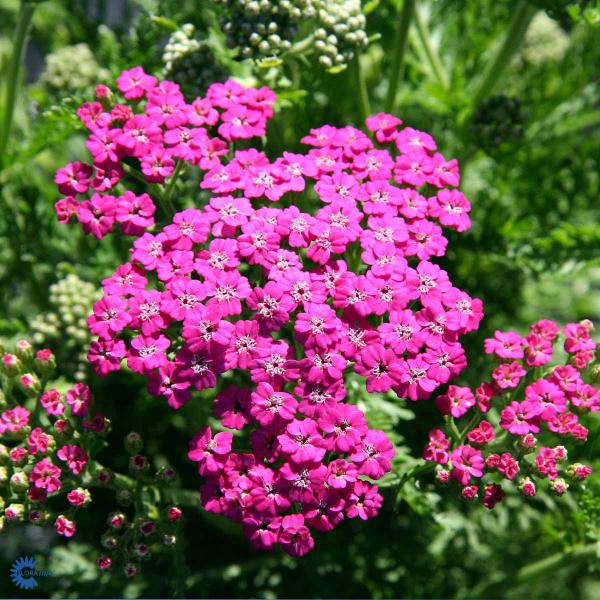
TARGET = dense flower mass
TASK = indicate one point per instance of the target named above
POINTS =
(252, 288)
(521, 417)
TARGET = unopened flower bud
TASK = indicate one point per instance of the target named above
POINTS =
(166, 475)
(19, 482)
(79, 497)
(116, 520)
(174, 514)
(141, 550)
(470, 492)
(442, 476)
(3, 402)
(3, 475)
(579, 471)
(11, 365)
(62, 428)
(559, 486)
(18, 456)
(147, 527)
(38, 517)
(527, 487)
(104, 476)
(133, 442)
(138, 463)
(528, 442)
(30, 384)
(103, 562)
(24, 350)
(124, 497)
(560, 453)
(14, 512)
(109, 541)
(44, 362)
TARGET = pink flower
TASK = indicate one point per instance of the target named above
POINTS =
(380, 367)
(456, 401)
(302, 442)
(295, 537)
(451, 209)
(75, 457)
(374, 454)
(210, 451)
(508, 375)
(64, 526)
(505, 344)
(467, 462)
(79, 399)
(109, 317)
(134, 83)
(364, 501)
(268, 404)
(51, 401)
(519, 418)
(46, 476)
(437, 448)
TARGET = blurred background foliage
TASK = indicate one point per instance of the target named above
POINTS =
(509, 88)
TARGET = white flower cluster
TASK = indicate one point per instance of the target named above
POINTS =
(71, 300)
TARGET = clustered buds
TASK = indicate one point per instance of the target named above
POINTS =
(266, 29)
(521, 417)
(252, 288)
(64, 325)
(139, 530)
(190, 62)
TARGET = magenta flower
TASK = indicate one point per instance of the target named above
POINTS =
(210, 451)
(75, 457)
(268, 404)
(46, 476)
(302, 442)
(467, 462)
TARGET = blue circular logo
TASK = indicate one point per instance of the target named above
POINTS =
(23, 571)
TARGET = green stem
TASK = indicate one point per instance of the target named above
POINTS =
(171, 186)
(400, 44)
(301, 46)
(179, 564)
(551, 563)
(432, 57)
(26, 11)
(363, 96)
(515, 34)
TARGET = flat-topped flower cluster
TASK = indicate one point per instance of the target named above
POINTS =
(520, 416)
(285, 302)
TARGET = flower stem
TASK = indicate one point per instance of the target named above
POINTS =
(551, 563)
(432, 57)
(522, 15)
(11, 83)
(363, 95)
(172, 181)
(400, 44)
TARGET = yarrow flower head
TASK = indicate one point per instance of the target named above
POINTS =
(532, 410)
(288, 300)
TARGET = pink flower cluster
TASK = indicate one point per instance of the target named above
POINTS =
(153, 131)
(286, 301)
(535, 407)
(44, 461)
